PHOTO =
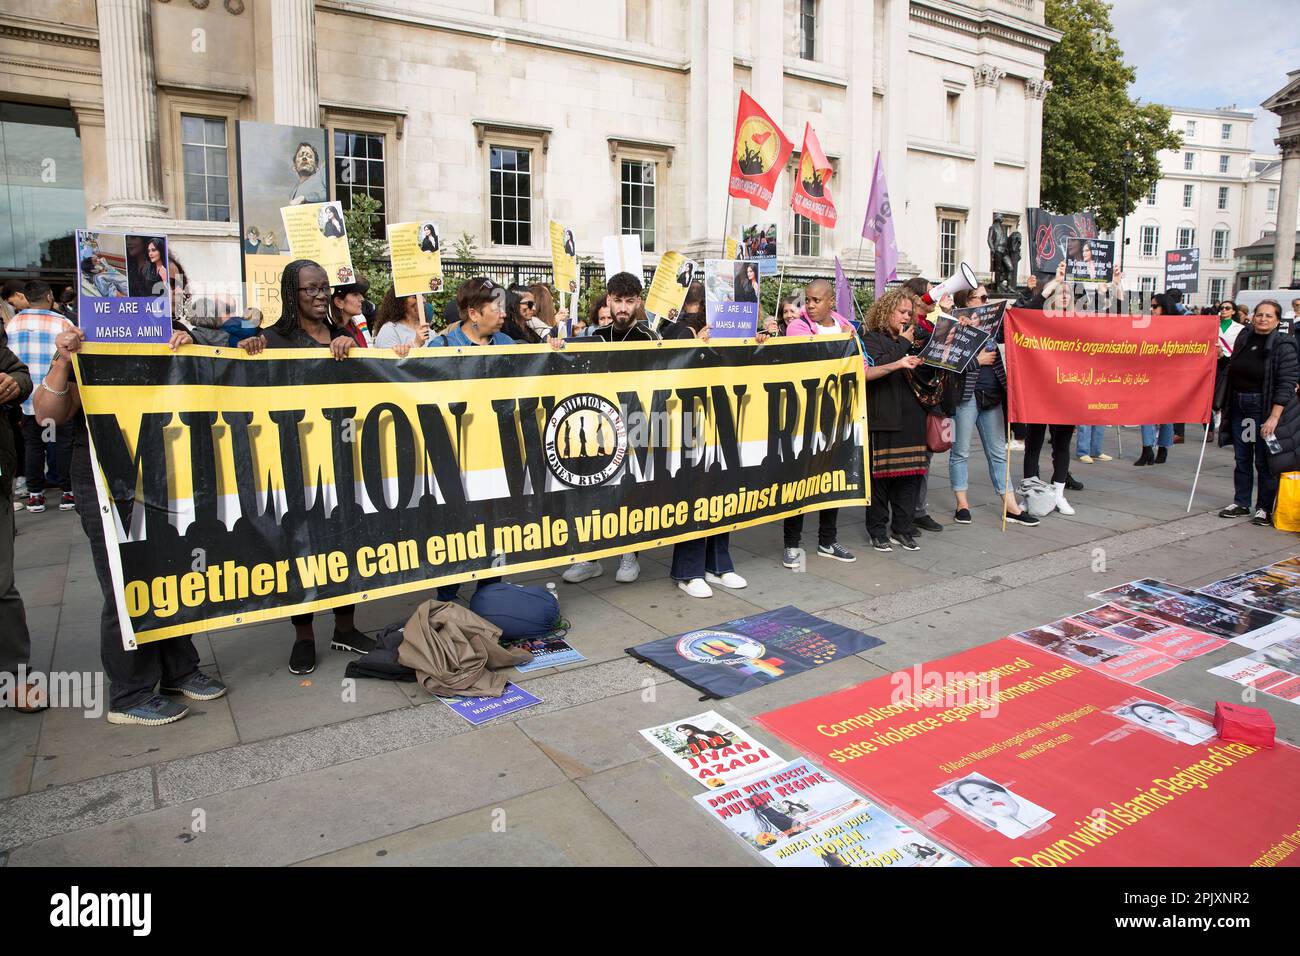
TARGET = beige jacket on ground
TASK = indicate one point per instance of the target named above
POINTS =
(454, 652)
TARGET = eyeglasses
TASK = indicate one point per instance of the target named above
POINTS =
(316, 291)
(527, 304)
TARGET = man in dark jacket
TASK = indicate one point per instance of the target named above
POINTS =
(15, 641)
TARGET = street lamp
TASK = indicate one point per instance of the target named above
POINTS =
(1123, 226)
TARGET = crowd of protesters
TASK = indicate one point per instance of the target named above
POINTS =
(44, 443)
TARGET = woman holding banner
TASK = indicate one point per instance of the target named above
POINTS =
(399, 324)
(896, 420)
(983, 390)
(305, 323)
(143, 683)
(1260, 409)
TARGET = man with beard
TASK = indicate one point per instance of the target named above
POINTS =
(311, 178)
(624, 299)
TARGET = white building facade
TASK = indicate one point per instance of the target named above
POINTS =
(1214, 194)
(493, 116)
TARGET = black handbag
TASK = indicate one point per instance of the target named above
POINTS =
(985, 400)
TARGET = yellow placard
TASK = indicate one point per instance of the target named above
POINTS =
(316, 231)
(667, 292)
(416, 252)
(731, 248)
(262, 278)
(564, 258)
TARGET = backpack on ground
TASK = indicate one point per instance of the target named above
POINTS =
(519, 611)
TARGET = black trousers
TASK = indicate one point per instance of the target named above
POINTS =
(59, 453)
(132, 675)
(15, 641)
(1061, 437)
(893, 506)
(827, 533)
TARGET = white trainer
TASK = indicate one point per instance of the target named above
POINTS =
(1062, 505)
(582, 571)
(729, 580)
(696, 588)
(629, 569)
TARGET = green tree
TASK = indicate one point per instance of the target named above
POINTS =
(369, 255)
(1089, 119)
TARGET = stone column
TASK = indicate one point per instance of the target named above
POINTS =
(897, 20)
(860, 151)
(712, 120)
(987, 78)
(293, 62)
(130, 110)
(1288, 196)
(1035, 90)
(769, 39)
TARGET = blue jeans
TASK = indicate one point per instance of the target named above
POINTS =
(692, 558)
(991, 427)
(1166, 436)
(1248, 407)
(1088, 439)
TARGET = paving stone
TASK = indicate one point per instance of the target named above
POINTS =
(895, 607)
(34, 816)
(557, 826)
(311, 814)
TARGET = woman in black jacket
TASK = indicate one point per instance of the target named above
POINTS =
(1258, 399)
(896, 421)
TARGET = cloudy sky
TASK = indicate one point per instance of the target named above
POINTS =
(1209, 53)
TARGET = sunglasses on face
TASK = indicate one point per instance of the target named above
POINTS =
(526, 304)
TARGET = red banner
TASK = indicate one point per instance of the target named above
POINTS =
(1084, 369)
(758, 155)
(811, 196)
(1015, 757)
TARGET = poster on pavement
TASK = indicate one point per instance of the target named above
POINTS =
(711, 749)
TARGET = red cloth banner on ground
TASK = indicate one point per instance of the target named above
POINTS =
(758, 154)
(1086, 369)
(1014, 757)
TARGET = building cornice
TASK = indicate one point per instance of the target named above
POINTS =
(395, 116)
(49, 67)
(43, 31)
(512, 31)
(986, 23)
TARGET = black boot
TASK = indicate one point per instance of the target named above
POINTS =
(1146, 458)
(1162, 455)
(1071, 484)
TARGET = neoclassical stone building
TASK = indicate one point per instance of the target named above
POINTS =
(492, 116)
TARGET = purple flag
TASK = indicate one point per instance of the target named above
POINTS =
(844, 301)
(879, 228)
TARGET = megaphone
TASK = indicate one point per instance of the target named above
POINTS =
(963, 278)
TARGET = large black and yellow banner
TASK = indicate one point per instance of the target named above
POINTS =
(242, 488)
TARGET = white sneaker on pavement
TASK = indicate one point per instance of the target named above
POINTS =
(729, 580)
(629, 569)
(1062, 505)
(696, 588)
(582, 571)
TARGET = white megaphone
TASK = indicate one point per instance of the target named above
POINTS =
(963, 278)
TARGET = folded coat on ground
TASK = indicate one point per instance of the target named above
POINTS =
(455, 653)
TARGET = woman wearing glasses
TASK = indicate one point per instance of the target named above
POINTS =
(983, 388)
(305, 323)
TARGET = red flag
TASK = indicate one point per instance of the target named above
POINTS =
(758, 154)
(811, 196)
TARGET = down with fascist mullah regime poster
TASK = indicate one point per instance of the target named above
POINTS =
(247, 488)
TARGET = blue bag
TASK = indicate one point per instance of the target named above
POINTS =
(519, 611)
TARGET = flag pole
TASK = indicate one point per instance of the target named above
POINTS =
(1204, 441)
(726, 224)
(1009, 491)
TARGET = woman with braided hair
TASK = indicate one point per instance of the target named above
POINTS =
(305, 323)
